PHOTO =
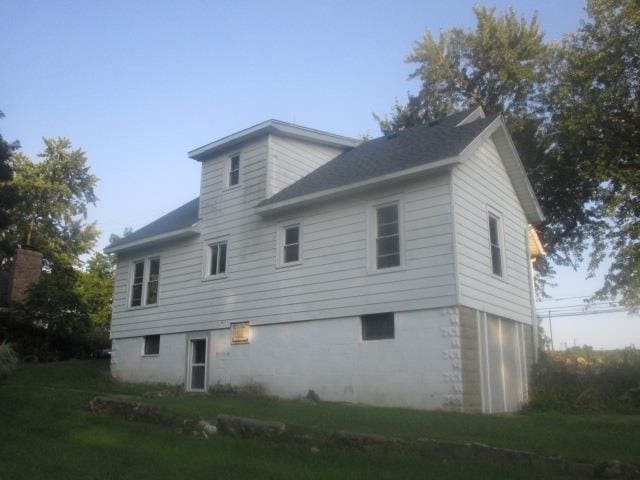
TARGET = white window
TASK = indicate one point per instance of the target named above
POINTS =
(145, 280)
(289, 244)
(387, 236)
(152, 345)
(216, 259)
(495, 240)
(240, 333)
(234, 170)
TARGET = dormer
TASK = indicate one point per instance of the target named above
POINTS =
(262, 160)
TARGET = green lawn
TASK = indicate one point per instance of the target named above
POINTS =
(47, 432)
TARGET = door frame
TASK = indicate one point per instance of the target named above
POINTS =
(190, 339)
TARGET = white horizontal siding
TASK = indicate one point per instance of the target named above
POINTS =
(481, 184)
(292, 159)
(332, 282)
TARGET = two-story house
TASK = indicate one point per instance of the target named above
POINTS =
(395, 271)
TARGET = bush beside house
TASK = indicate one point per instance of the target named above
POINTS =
(584, 380)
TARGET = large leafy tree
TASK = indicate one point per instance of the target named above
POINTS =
(505, 66)
(8, 196)
(95, 287)
(594, 125)
(53, 196)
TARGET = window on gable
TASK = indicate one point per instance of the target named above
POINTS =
(378, 326)
(152, 345)
(234, 170)
(217, 259)
(145, 280)
(496, 247)
(387, 237)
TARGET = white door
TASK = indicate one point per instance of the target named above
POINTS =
(197, 380)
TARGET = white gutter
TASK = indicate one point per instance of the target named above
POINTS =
(175, 234)
(353, 187)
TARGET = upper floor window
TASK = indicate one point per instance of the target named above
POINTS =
(496, 244)
(217, 258)
(289, 245)
(234, 170)
(387, 245)
(145, 280)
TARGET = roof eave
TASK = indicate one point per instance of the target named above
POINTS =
(272, 126)
(144, 242)
(303, 200)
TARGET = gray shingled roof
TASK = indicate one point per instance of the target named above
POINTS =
(181, 217)
(392, 153)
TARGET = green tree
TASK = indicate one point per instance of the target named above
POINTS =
(594, 126)
(95, 287)
(8, 194)
(53, 195)
(505, 66)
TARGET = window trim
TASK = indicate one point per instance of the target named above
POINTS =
(494, 213)
(206, 274)
(372, 235)
(145, 282)
(144, 346)
(227, 181)
(362, 321)
(280, 243)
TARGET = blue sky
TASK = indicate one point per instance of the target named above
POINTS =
(138, 84)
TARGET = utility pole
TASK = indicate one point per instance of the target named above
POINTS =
(550, 330)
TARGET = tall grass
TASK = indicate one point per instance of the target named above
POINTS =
(584, 380)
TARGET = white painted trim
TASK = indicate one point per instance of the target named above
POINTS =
(190, 338)
(145, 281)
(487, 361)
(272, 126)
(474, 115)
(502, 374)
(206, 275)
(456, 269)
(495, 213)
(175, 234)
(227, 171)
(353, 187)
(483, 399)
(280, 238)
(372, 229)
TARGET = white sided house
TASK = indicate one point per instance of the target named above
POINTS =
(395, 271)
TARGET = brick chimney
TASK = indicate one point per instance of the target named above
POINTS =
(25, 271)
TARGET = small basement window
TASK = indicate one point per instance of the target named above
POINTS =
(152, 345)
(240, 333)
(378, 326)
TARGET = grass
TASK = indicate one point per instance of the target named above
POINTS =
(47, 432)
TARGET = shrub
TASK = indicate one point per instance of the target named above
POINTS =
(8, 360)
(584, 380)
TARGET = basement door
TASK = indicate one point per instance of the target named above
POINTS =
(197, 370)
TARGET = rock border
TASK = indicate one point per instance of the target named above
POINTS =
(243, 427)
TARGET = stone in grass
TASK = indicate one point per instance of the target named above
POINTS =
(243, 427)
(358, 440)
